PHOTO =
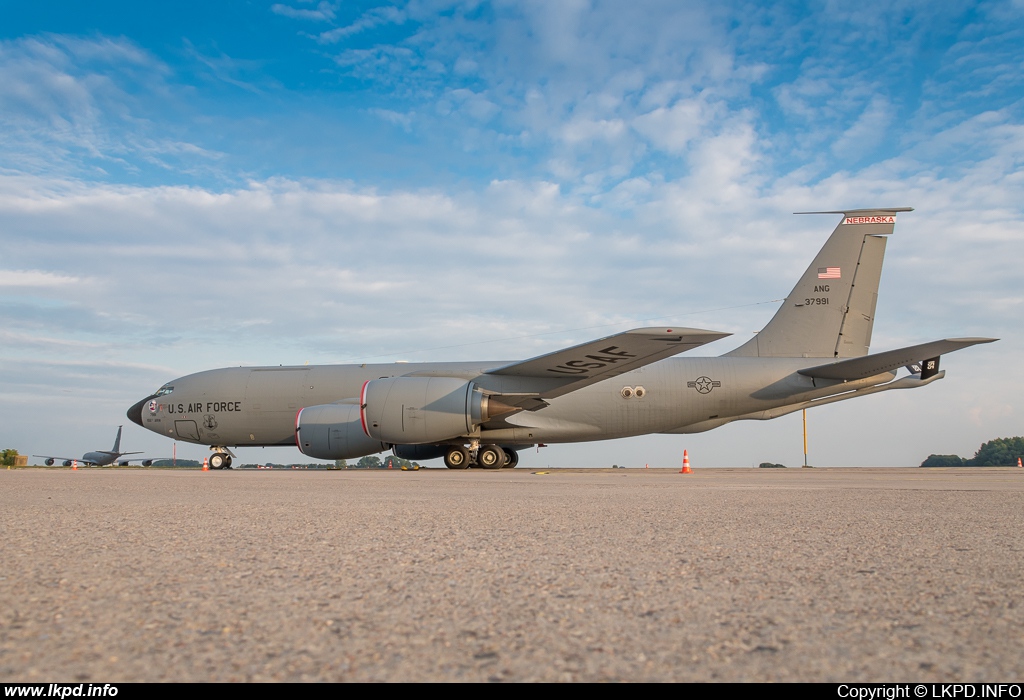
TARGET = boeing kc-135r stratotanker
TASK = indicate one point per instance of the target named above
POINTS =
(814, 351)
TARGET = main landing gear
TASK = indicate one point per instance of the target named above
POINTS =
(457, 457)
(221, 458)
(487, 456)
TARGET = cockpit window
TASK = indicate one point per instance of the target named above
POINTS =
(164, 390)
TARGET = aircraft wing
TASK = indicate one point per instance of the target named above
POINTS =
(82, 462)
(870, 365)
(581, 365)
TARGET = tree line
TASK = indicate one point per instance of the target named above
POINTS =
(1001, 452)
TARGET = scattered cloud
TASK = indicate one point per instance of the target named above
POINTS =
(231, 70)
(35, 278)
(87, 107)
(866, 134)
(373, 18)
(673, 128)
(397, 118)
(324, 12)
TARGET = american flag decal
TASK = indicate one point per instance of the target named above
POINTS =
(828, 273)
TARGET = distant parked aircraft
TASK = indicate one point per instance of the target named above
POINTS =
(100, 458)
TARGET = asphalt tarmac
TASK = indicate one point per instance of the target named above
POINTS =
(572, 575)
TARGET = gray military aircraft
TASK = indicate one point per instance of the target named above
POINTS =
(814, 351)
(100, 458)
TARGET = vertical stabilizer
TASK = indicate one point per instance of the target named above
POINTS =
(831, 310)
(117, 441)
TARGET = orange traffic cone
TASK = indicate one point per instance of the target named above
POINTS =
(1019, 465)
(74, 465)
(686, 464)
(206, 464)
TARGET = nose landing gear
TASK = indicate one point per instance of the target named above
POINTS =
(221, 458)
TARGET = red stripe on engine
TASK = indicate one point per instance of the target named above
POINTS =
(362, 408)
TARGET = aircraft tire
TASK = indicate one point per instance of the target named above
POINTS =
(457, 457)
(491, 457)
(227, 461)
(217, 460)
(511, 458)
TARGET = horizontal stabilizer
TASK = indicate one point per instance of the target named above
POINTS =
(870, 365)
(862, 213)
(608, 357)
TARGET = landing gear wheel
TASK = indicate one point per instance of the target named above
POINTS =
(457, 457)
(227, 461)
(491, 457)
(217, 460)
(511, 458)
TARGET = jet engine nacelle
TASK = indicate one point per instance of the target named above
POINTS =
(333, 431)
(417, 410)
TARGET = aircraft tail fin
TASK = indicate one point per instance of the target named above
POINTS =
(831, 310)
(117, 440)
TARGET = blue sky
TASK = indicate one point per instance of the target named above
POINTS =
(214, 184)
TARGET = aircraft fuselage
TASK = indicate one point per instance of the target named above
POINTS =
(257, 406)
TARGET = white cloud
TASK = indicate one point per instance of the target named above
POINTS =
(324, 11)
(673, 128)
(370, 19)
(83, 106)
(403, 120)
(475, 105)
(35, 278)
(867, 132)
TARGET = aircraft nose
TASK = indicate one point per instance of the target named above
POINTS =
(135, 412)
